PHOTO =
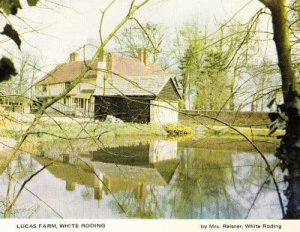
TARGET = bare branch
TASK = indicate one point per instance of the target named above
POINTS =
(269, 169)
(102, 20)
(133, 9)
(267, 3)
(8, 209)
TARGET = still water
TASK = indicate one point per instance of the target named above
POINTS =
(155, 179)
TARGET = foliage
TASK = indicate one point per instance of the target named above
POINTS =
(10, 7)
(178, 130)
(7, 69)
(204, 72)
(22, 83)
(213, 84)
(190, 65)
(288, 152)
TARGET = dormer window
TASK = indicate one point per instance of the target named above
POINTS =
(44, 88)
(67, 85)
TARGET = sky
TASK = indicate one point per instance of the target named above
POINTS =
(69, 24)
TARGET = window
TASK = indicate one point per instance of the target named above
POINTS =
(44, 88)
(75, 100)
(67, 85)
(81, 103)
(67, 100)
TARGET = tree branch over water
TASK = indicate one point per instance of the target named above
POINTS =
(132, 10)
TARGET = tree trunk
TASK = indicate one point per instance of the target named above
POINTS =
(289, 151)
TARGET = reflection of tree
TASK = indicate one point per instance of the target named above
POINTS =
(217, 184)
(24, 167)
(200, 189)
(18, 170)
(142, 202)
(253, 185)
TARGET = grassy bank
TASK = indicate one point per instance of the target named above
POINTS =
(78, 137)
(15, 124)
(76, 130)
(81, 133)
(236, 143)
(250, 132)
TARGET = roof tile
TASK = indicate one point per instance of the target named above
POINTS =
(121, 65)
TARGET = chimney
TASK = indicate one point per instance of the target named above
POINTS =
(108, 65)
(74, 56)
(140, 54)
(101, 56)
(145, 56)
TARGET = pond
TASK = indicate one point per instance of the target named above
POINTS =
(159, 178)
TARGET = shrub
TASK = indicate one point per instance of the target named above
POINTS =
(178, 130)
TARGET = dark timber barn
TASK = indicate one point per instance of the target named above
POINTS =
(135, 90)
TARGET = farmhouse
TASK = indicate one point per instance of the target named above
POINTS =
(131, 89)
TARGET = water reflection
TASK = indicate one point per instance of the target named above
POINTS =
(153, 180)
(16, 172)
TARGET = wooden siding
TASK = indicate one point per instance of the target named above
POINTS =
(71, 105)
(53, 90)
(168, 93)
(131, 109)
(87, 86)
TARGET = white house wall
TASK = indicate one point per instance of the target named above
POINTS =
(162, 150)
(52, 90)
(56, 89)
(163, 112)
(87, 86)
(100, 78)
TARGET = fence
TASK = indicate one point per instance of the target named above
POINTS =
(233, 118)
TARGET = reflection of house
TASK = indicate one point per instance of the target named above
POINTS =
(155, 161)
(128, 88)
(117, 170)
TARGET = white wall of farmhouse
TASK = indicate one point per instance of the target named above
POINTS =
(162, 150)
(49, 90)
(163, 112)
(100, 78)
(53, 90)
(79, 101)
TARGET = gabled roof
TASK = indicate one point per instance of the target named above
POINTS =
(121, 65)
(135, 86)
(67, 72)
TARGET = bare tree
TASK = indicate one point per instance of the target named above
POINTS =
(137, 35)
(289, 150)
(15, 152)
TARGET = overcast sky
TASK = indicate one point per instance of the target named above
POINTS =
(63, 29)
